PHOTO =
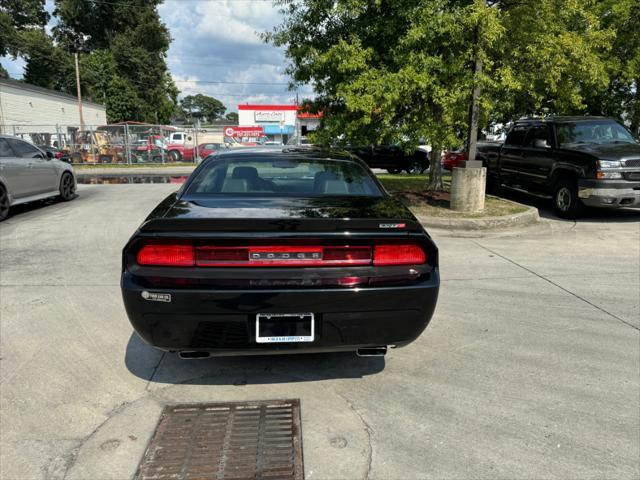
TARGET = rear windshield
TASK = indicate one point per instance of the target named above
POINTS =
(290, 177)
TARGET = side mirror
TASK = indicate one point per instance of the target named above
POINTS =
(540, 143)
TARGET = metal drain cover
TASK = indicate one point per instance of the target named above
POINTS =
(249, 440)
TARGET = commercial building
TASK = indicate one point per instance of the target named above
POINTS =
(29, 111)
(280, 122)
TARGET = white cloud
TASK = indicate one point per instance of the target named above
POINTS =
(219, 40)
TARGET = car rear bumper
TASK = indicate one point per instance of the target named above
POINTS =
(222, 322)
(609, 194)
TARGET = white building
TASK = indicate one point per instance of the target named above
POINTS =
(29, 110)
(278, 121)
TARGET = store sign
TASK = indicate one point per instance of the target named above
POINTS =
(243, 132)
(268, 116)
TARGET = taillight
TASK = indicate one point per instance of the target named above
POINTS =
(404, 254)
(183, 255)
(166, 255)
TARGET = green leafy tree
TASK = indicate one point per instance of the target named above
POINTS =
(399, 80)
(202, 107)
(552, 57)
(232, 117)
(621, 98)
(410, 76)
(123, 59)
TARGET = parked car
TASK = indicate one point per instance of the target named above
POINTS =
(56, 152)
(28, 174)
(280, 250)
(206, 149)
(392, 158)
(178, 152)
(453, 159)
(578, 161)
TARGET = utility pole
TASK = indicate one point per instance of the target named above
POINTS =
(475, 102)
(75, 54)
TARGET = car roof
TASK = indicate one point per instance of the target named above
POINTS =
(561, 119)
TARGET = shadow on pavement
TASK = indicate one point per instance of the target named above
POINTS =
(150, 364)
(590, 215)
(25, 208)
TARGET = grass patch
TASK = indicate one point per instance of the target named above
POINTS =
(411, 190)
(92, 166)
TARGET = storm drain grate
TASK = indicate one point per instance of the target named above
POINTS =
(249, 440)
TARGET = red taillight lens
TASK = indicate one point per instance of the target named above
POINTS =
(177, 255)
(166, 255)
(402, 254)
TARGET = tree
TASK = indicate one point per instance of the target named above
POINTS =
(202, 107)
(410, 76)
(399, 80)
(621, 98)
(124, 57)
(232, 117)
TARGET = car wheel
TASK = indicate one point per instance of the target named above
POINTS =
(493, 185)
(415, 168)
(175, 156)
(566, 202)
(4, 203)
(393, 171)
(67, 187)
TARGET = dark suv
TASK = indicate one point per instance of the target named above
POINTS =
(591, 161)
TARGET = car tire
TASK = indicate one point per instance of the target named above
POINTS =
(175, 156)
(67, 187)
(394, 171)
(4, 203)
(493, 185)
(415, 168)
(566, 202)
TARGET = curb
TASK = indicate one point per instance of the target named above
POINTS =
(528, 217)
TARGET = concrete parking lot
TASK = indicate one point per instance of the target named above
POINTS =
(529, 369)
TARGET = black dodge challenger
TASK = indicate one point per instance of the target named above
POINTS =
(279, 251)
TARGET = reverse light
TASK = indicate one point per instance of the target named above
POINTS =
(166, 255)
(403, 254)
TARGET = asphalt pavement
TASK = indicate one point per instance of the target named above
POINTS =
(529, 369)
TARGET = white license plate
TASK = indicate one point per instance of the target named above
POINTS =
(285, 327)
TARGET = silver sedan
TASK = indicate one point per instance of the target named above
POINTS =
(28, 174)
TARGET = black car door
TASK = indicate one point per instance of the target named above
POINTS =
(511, 154)
(537, 157)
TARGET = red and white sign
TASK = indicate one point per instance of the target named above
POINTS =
(243, 132)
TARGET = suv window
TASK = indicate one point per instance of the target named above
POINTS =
(23, 149)
(516, 135)
(5, 149)
(537, 132)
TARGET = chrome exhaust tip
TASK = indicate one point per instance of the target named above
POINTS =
(189, 355)
(372, 351)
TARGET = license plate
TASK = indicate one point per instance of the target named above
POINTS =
(285, 327)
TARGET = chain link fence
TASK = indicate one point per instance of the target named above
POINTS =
(126, 143)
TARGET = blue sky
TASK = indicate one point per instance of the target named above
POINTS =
(217, 40)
